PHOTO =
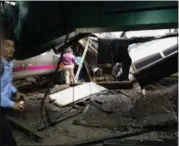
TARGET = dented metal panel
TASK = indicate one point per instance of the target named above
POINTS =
(74, 94)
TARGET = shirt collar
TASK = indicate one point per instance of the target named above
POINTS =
(6, 62)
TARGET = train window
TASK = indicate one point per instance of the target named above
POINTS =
(150, 52)
(170, 50)
(152, 47)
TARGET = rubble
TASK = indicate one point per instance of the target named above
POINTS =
(126, 110)
(107, 111)
(113, 110)
(31, 79)
(58, 88)
(170, 93)
(153, 111)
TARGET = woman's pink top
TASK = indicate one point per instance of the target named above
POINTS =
(68, 59)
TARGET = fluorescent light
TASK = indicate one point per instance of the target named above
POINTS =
(11, 3)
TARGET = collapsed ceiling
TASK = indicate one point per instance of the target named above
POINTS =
(36, 23)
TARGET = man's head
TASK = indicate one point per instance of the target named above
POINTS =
(8, 49)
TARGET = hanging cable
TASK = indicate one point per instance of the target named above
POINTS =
(43, 106)
(62, 49)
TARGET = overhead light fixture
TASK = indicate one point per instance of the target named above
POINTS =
(11, 3)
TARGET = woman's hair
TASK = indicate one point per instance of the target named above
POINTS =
(68, 50)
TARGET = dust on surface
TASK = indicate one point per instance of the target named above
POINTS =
(66, 131)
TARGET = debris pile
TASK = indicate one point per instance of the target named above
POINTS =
(119, 111)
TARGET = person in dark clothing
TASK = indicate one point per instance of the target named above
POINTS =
(113, 51)
(117, 70)
(126, 61)
(122, 55)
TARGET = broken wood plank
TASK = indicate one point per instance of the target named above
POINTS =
(82, 60)
(24, 128)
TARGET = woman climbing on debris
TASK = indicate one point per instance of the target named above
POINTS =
(68, 62)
